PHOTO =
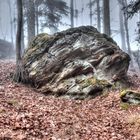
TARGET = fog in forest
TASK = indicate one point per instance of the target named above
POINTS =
(80, 12)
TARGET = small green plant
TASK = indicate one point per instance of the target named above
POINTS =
(124, 106)
(94, 81)
(122, 93)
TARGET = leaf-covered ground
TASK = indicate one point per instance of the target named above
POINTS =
(26, 114)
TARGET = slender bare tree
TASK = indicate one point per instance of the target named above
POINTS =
(106, 17)
(72, 13)
(19, 30)
(11, 20)
(30, 19)
(98, 15)
(122, 30)
(90, 14)
(96, 11)
(123, 4)
(19, 74)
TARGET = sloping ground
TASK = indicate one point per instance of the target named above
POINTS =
(26, 114)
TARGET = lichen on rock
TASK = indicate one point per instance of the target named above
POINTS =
(130, 96)
(78, 62)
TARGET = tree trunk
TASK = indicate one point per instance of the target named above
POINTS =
(82, 11)
(30, 19)
(98, 16)
(127, 30)
(72, 13)
(19, 73)
(106, 17)
(76, 14)
(11, 21)
(22, 40)
(36, 17)
(123, 3)
(90, 14)
(15, 22)
(19, 30)
(122, 32)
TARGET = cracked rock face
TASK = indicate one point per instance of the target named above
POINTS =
(78, 63)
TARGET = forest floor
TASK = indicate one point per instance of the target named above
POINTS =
(26, 114)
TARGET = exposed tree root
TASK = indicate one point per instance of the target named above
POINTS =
(20, 74)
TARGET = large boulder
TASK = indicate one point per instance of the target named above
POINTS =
(78, 63)
(6, 49)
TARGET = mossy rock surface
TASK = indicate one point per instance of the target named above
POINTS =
(130, 96)
(79, 63)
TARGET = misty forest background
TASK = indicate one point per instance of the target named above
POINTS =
(119, 19)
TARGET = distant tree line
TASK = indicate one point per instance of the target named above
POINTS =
(48, 13)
